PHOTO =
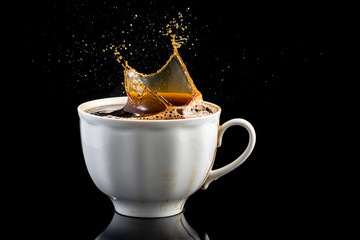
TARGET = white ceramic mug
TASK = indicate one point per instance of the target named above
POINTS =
(149, 168)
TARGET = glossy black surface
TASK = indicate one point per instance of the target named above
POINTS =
(269, 64)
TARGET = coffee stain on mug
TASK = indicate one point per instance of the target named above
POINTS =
(163, 205)
(169, 180)
(191, 182)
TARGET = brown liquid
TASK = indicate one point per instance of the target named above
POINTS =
(171, 86)
(180, 112)
(175, 99)
(169, 93)
(117, 113)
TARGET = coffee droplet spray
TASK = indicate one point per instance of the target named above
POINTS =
(169, 93)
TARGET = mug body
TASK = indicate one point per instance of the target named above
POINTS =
(147, 167)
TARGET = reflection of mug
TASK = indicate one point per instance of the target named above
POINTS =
(175, 227)
(150, 167)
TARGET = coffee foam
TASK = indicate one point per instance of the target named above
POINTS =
(183, 112)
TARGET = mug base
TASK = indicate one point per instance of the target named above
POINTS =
(143, 209)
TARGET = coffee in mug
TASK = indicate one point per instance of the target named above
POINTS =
(153, 149)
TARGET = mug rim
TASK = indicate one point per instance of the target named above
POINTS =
(115, 100)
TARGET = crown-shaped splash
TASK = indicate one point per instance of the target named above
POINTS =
(171, 86)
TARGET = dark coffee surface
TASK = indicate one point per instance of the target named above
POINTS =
(117, 113)
(180, 112)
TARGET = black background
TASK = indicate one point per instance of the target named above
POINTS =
(267, 63)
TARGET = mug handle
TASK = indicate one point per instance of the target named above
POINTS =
(215, 174)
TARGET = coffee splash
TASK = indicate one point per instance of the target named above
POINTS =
(170, 87)
(169, 93)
